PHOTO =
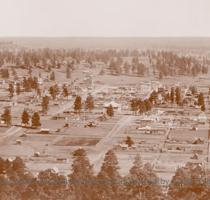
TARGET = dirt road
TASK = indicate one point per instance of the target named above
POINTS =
(107, 142)
(5, 137)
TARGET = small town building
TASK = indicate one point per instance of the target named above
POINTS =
(116, 106)
(202, 118)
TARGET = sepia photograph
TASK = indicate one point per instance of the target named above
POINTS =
(104, 99)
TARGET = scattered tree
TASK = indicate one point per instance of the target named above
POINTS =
(52, 91)
(89, 103)
(45, 104)
(25, 118)
(172, 95)
(6, 116)
(35, 120)
(65, 91)
(18, 90)
(203, 108)
(129, 141)
(201, 99)
(110, 111)
(78, 104)
(178, 95)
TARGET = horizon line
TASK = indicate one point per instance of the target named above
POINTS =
(106, 37)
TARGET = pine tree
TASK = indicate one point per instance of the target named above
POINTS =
(81, 180)
(172, 95)
(178, 95)
(109, 178)
(135, 181)
(153, 190)
(142, 182)
(35, 120)
(203, 108)
(110, 111)
(129, 141)
(25, 117)
(18, 88)
(52, 92)
(78, 104)
(89, 103)
(6, 116)
(201, 99)
(142, 107)
(45, 104)
(49, 185)
(148, 105)
(153, 96)
(65, 91)
(134, 105)
(188, 180)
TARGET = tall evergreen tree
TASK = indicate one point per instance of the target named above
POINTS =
(136, 179)
(65, 91)
(78, 104)
(35, 120)
(45, 104)
(25, 117)
(48, 185)
(134, 105)
(81, 180)
(142, 182)
(201, 99)
(188, 182)
(6, 116)
(129, 141)
(52, 91)
(203, 108)
(109, 178)
(178, 95)
(148, 105)
(110, 111)
(172, 94)
(89, 103)
(142, 107)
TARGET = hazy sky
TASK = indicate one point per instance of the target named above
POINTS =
(105, 18)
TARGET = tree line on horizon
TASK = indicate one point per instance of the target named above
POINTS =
(166, 63)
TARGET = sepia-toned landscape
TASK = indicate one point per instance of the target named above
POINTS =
(76, 118)
(104, 100)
